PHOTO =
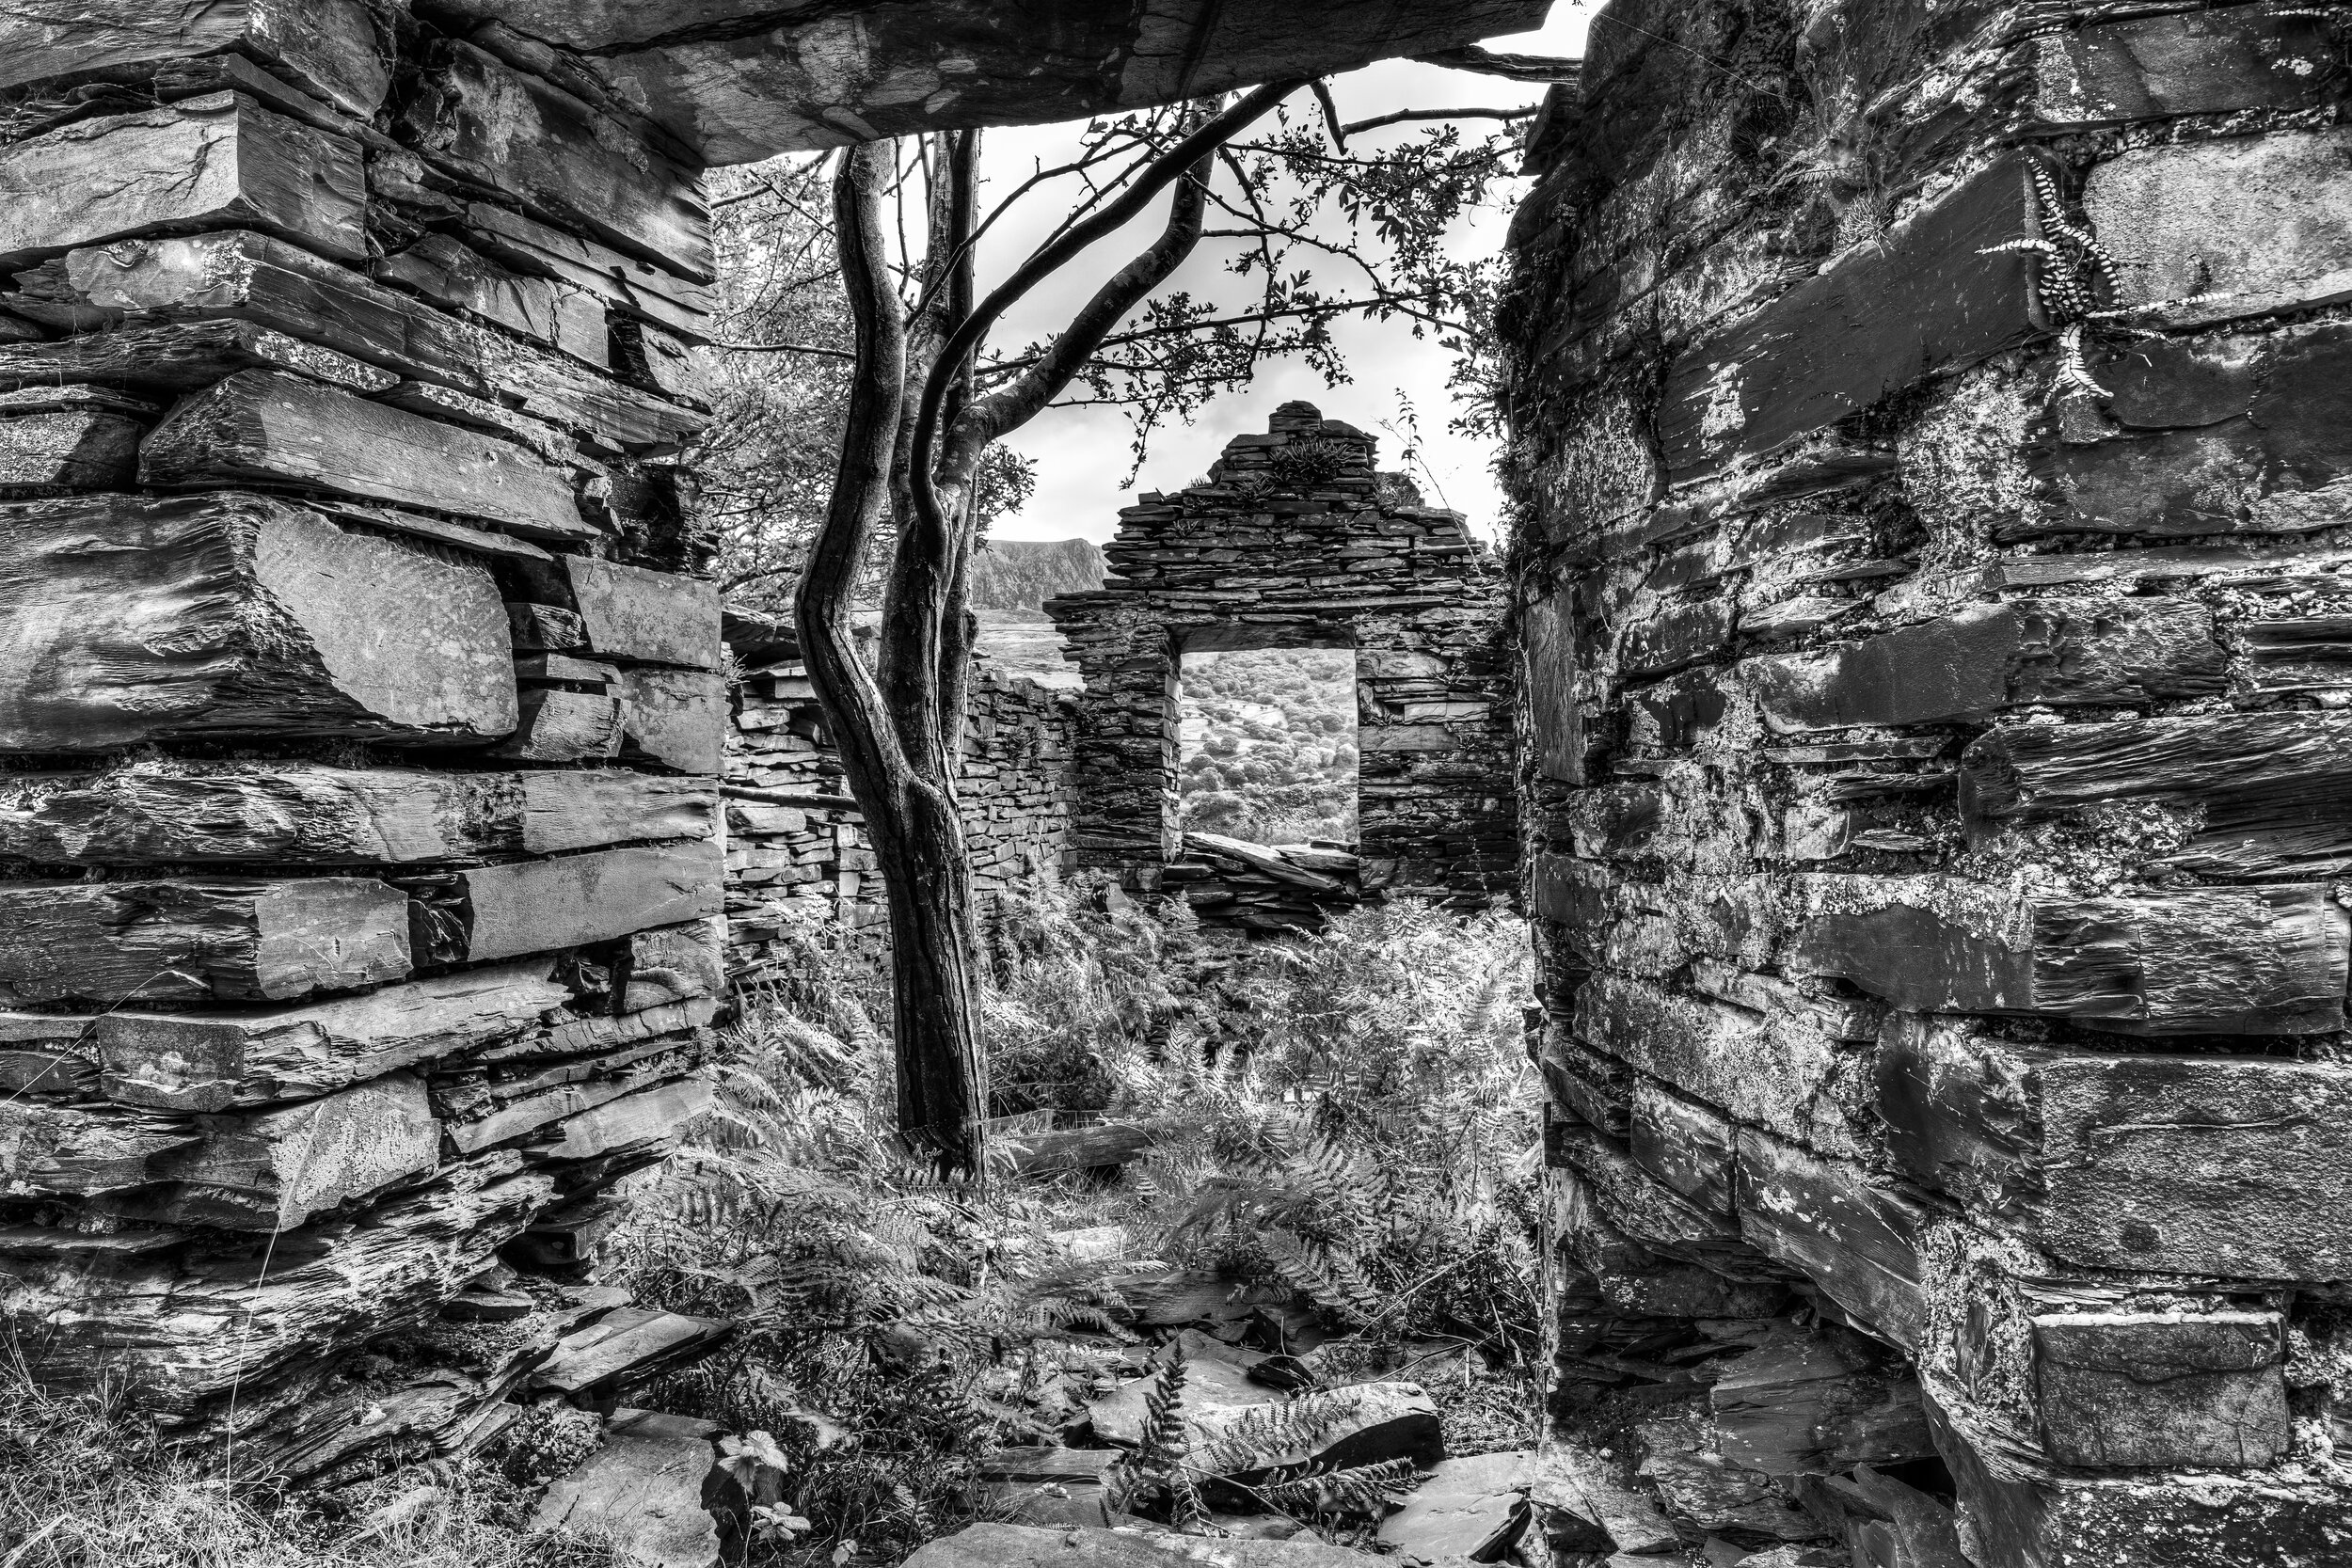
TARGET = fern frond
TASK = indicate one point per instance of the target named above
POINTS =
(1358, 1489)
(1325, 1273)
(1266, 1434)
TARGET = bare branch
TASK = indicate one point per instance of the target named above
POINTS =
(1404, 115)
(1330, 113)
(1518, 67)
(1113, 215)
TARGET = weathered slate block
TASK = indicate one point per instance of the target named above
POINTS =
(182, 357)
(273, 1170)
(1856, 1238)
(1818, 1403)
(1785, 1071)
(73, 1152)
(2228, 1165)
(646, 1119)
(1547, 643)
(541, 309)
(560, 157)
(1684, 1144)
(127, 619)
(2195, 1391)
(270, 427)
(677, 718)
(1634, 1279)
(2148, 1520)
(250, 277)
(498, 912)
(135, 1309)
(1676, 637)
(1923, 298)
(565, 726)
(1651, 1215)
(2184, 63)
(674, 964)
(74, 449)
(214, 1060)
(2248, 224)
(2265, 961)
(47, 1054)
(2232, 433)
(330, 48)
(642, 1490)
(632, 612)
(307, 814)
(194, 938)
(219, 160)
(625, 284)
(2274, 789)
(1974, 663)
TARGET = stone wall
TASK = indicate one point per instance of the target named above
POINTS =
(1930, 431)
(1293, 541)
(796, 845)
(360, 725)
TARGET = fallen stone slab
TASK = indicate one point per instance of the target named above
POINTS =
(625, 1346)
(1577, 1480)
(1024, 1547)
(1473, 1508)
(1335, 1431)
(642, 1492)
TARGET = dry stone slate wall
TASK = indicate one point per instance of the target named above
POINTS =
(359, 713)
(1931, 431)
(796, 843)
(1294, 542)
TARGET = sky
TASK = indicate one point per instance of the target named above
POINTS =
(1082, 455)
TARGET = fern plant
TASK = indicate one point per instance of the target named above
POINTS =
(1165, 1467)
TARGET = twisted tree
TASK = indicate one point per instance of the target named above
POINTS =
(926, 405)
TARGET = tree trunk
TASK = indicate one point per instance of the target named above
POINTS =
(890, 745)
(942, 1077)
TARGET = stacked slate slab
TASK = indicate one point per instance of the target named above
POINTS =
(1295, 540)
(797, 853)
(361, 712)
(1931, 438)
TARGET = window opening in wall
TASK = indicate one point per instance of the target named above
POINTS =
(1267, 751)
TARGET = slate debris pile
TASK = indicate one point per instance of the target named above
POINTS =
(1293, 541)
(360, 857)
(1258, 887)
(1933, 598)
(796, 839)
(1250, 1353)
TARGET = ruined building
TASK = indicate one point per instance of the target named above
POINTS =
(1932, 427)
(1293, 541)
(1931, 437)
(364, 712)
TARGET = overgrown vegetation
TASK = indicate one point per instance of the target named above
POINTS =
(87, 1484)
(1347, 1125)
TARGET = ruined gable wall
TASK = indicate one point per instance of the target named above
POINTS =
(1291, 543)
(360, 855)
(1931, 787)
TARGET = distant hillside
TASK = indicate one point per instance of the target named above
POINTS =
(1011, 578)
